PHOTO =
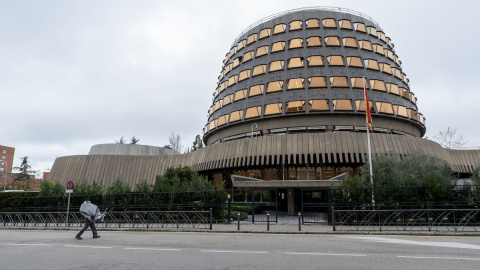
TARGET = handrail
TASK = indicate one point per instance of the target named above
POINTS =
(336, 9)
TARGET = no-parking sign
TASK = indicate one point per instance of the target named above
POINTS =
(70, 185)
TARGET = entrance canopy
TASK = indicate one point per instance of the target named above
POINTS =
(248, 182)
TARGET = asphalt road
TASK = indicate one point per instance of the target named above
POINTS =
(30, 249)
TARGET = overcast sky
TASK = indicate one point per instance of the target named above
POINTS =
(78, 73)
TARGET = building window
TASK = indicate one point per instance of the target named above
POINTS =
(258, 70)
(329, 23)
(274, 86)
(349, 42)
(338, 82)
(384, 107)
(296, 106)
(377, 85)
(393, 88)
(295, 25)
(236, 116)
(296, 62)
(4, 151)
(317, 82)
(244, 75)
(262, 51)
(253, 112)
(357, 82)
(345, 24)
(372, 31)
(400, 111)
(319, 105)
(256, 90)
(264, 33)
(227, 100)
(240, 94)
(314, 42)
(232, 80)
(274, 108)
(222, 120)
(365, 45)
(277, 65)
(381, 36)
(359, 27)
(315, 60)
(278, 46)
(211, 125)
(1, 169)
(412, 114)
(378, 49)
(332, 41)
(252, 38)
(248, 56)
(241, 44)
(354, 61)
(371, 64)
(342, 105)
(360, 103)
(312, 23)
(335, 60)
(295, 43)
(236, 62)
(279, 28)
(385, 68)
(296, 83)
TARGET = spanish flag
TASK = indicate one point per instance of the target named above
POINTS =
(368, 115)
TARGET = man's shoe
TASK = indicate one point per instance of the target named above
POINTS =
(78, 238)
(96, 236)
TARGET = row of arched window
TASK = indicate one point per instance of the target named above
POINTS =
(313, 83)
(311, 61)
(315, 105)
(313, 23)
(314, 41)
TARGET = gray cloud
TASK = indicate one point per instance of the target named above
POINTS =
(79, 73)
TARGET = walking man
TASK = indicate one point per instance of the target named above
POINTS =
(90, 212)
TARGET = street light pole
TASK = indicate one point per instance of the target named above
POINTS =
(6, 168)
(256, 126)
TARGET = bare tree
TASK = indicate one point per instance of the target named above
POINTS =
(175, 142)
(450, 139)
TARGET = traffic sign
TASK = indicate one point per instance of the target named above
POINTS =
(70, 185)
(69, 191)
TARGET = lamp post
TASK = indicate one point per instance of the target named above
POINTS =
(6, 167)
(256, 126)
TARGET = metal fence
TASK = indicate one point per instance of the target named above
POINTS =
(446, 220)
(124, 219)
(253, 204)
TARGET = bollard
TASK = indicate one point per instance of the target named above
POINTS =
(268, 221)
(299, 221)
(333, 219)
(211, 217)
(238, 221)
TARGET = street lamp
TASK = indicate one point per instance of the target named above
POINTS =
(256, 126)
(6, 167)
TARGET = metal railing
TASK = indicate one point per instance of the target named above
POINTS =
(276, 15)
(125, 219)
(439, 220)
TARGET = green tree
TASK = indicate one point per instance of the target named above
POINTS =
(134, 140)
(118, 187)
(84, 188)
(197, 144)
(142, 187)
(121, 141)
(49, 188)
(25, 169)
(476, 176)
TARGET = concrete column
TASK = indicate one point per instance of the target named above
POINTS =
(291, 201)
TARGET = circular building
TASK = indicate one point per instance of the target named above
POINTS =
(304, 71)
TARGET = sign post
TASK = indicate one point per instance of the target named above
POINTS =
(69, 190)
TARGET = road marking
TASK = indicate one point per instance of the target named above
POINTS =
(445, 258)
(159, 249)
(43, 245)
(234, 251)
(75, 246)
(418, 243)
(326, 254)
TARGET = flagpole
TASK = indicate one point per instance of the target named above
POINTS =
(367, 107)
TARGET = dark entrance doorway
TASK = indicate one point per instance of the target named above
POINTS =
(315, 206)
